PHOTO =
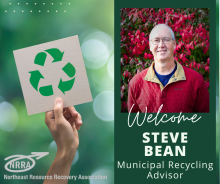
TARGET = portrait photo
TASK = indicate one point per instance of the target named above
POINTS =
(165, 60)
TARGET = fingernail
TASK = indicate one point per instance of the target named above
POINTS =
(58, 101)
(75, 113)
(80, 121)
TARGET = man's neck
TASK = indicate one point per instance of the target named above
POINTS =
(164, 68)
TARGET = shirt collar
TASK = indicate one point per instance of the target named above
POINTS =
(178, 75)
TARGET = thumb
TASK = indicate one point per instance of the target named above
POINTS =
(58, 109)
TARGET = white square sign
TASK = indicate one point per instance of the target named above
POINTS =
(51, 70)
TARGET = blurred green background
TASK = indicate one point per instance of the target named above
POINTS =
(22, 25)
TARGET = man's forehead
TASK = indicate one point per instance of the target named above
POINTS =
(161, 31)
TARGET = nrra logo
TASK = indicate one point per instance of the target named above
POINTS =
(22, 163)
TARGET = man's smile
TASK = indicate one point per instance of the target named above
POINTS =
(162, 51)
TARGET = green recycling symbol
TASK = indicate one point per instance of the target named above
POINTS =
(35, 77)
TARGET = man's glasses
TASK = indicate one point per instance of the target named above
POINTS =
(165, 40)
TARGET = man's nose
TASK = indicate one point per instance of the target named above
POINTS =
(161, 44)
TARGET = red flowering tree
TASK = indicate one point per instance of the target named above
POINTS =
(191, 29)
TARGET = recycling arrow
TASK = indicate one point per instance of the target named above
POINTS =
(46, 90)
(35, 77)
(56, 54)
(40, 58)
(66, 85)
(69, 69)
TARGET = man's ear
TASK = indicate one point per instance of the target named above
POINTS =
(150, 46)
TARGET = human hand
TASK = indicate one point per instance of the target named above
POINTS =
(63, 125)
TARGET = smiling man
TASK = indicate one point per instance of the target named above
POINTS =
(166, 82)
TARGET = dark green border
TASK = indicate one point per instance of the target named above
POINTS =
(217, 88)
(209, 119)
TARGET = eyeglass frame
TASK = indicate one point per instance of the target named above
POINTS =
(162, 40)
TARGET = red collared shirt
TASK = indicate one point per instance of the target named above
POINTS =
(186, 91)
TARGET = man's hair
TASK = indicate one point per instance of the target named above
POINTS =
(172, 33)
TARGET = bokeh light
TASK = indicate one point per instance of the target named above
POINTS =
(103, 172)
(103, 106)
(96, 48)
(53, 147)
(111, 66)
(102, 77)
(92, 49)
(8, 117)
(76, 158)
